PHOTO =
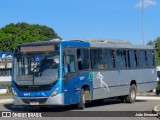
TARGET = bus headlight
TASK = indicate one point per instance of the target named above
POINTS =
(14, 92)
(55, 91)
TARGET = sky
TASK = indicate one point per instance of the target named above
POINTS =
(87, 19)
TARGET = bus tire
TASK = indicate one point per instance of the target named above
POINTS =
(132, 94)
(81, 104)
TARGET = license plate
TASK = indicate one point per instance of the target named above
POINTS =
(34, 103)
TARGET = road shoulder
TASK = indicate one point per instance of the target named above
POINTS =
(2, 101)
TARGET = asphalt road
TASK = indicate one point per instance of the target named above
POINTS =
(107, 105)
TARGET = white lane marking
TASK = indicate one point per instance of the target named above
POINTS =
(147, 98)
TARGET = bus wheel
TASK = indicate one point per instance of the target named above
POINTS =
(81, 104)
(132, 94)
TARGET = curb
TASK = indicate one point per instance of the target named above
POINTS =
(6, 101)
(155, 110)
(147, 98)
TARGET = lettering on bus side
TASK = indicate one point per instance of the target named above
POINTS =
(27, 94)
(82, 78)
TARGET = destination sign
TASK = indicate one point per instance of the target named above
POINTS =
(43, 48)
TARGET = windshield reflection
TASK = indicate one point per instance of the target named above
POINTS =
(36, 69)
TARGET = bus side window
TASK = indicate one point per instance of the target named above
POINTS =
(108, 59)
(142, 59)
(83, 59)
(136, 57)
(151, 58)
(121, 59)
(114, 58)
(131, 59)
(97, 59)
(70, 63)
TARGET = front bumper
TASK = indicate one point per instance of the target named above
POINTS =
(55, 100)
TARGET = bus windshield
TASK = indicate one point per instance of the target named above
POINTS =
(36, 69)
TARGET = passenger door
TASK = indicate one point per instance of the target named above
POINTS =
(69, 73)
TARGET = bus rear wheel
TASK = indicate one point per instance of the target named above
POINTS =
(81, 104)
(132, 94)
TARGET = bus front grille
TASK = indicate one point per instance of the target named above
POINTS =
(39, 100)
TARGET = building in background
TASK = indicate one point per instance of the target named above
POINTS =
(5, 66)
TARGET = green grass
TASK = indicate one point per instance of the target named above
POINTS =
(6, 96)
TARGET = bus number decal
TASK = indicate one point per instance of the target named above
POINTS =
(82, 78)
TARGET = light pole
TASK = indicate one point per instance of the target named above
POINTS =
(143, 42)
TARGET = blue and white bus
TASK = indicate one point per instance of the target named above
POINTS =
(71, 72)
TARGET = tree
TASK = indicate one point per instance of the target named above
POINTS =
(157, 41)
(13, 34)
(150, 42)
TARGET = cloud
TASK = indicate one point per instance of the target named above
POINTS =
(147, 3)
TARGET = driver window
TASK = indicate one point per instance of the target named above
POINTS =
(70, 63)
